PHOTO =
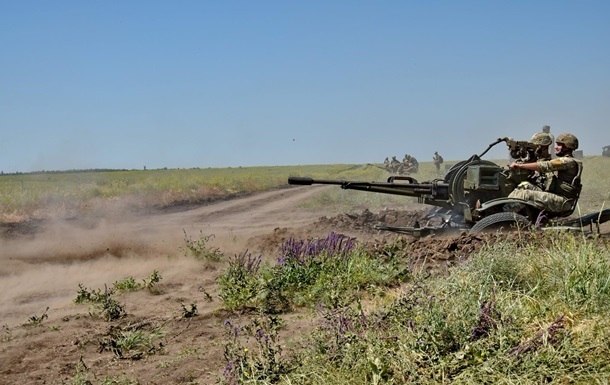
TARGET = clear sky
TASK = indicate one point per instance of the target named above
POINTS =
(181, 84)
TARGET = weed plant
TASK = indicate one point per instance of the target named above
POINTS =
(104, 303)
(83, 375)
(7, 335)
(200, 248)
(132, 341)
(240, 283)
(150, 282)
(258, 362)
(189, 312)
(37, 320)
(127, 284)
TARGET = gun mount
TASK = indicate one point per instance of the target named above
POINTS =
(472, 196)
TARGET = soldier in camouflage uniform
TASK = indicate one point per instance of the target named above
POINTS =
(437, 160)
(406, 166)
(414, 165)
(547, 130)
(562, 186)
(394, 164)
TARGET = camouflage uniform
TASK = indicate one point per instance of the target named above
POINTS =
(563, 187)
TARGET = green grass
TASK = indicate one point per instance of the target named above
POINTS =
(25, 196)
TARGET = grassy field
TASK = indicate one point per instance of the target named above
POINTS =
(25, 196)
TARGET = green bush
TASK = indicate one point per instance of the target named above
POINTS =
(332, 271)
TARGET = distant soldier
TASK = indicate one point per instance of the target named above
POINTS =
(547, 130)
(407, 165)
(438, 160)
(386, 163)
(394, 164)
(414, 165)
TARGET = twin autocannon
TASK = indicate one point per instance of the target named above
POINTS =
(473, 196)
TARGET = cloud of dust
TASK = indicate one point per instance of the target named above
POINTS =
(44, 270)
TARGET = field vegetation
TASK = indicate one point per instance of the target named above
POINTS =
(530, 308)
(528, 312)
(39, 195)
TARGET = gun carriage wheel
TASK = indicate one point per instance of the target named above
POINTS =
(501, 220)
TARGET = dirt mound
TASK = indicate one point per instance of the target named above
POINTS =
(433, 251)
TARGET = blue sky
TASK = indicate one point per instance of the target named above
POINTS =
(181, 84)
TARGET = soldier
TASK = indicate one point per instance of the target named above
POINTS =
(563, 184)
(406, 166)
(540, 142)
(394, 164)
(386, 163)
(437, 159)
(547, 130)
(414, 165)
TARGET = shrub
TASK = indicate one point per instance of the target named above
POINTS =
(333, 271)
(239, 284)
(200, 249)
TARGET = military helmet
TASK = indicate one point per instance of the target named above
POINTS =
(541, 139)
(568, 140)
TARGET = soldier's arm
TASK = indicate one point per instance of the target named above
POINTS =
(525, 166)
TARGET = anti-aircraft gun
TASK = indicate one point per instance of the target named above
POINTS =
(472, 196)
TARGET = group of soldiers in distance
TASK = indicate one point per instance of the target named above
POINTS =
(409, 165)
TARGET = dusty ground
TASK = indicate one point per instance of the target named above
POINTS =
(42, 263)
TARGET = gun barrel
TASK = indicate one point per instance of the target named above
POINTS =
(300, 181)
(435, 190)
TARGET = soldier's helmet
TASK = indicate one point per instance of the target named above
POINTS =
(568, 140)
(541, 139)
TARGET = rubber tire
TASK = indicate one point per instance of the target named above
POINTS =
(494, 221)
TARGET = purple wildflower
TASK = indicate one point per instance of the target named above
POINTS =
(303, 252)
